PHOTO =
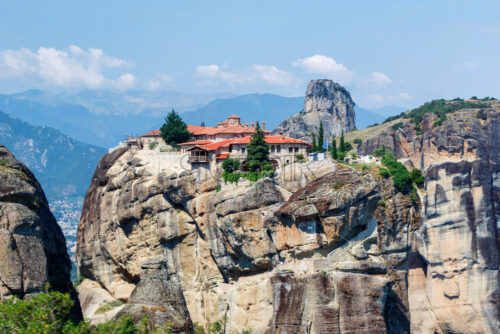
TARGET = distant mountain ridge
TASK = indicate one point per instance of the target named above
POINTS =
(106, 118)
(62, 165)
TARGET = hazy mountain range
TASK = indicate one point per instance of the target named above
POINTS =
(106, 118)
(62, 165)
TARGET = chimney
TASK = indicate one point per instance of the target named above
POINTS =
(263, 125)
(253, 124)
(246, 125)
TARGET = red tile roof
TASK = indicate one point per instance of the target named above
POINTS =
(213, 130)
(272, 140)
(197, 142)
(152, 133)
(223, 156)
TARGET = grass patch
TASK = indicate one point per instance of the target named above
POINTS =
(108, 306)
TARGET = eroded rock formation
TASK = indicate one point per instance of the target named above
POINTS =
(32, 246)
(329, 257)
(326, 102)
(453, 277)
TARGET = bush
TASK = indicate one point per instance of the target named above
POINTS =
(400, 176)
(354, 155)
(357, 141)
(347, 146)
(299, 157)
(231, 165)
(108, 306)
(481, 114)
(340, 156)
(398, 125)
(417, 177)
(231, 177)
(379, 152)
(384, 172)
(152, 145)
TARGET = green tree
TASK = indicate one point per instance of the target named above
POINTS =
(321, 137)
(257, 151)
(333, 148)
(202, 124)
(174, 130)
(314, 147)
(342, 143)
(230, 165)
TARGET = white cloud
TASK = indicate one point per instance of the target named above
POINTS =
(405, 96)
(323, 65)
(73, 67)
(208, 70)
(380, 79)
(254, 74)
(165, 77)
(162, 78)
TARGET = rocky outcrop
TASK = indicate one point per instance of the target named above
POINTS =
(326, 102)
(453, 277)
(32, 246)
(183, 246)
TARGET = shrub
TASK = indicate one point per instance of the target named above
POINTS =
(347, 146)
(354, 155)
(152, 145)
(398, 125)
(481, 114)
(379, 152)
(357, 141)
(299, 157)
(231, 165)
(340, 156)
(417, 177)
(231, 177)
(384, 172)
(4, 161)
(400, 176)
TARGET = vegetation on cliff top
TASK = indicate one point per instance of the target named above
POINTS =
(438, 107)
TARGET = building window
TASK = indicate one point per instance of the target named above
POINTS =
(290, 150)
(242, 150)
(278, 149)
(272, 148)
(296, 150)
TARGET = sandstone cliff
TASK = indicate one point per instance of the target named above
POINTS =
(453, 277)
(326, 102)
(32, 246)
(327, 257)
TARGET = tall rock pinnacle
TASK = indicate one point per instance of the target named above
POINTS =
(326, 102)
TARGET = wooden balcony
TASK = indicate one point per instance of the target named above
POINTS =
(198, 159)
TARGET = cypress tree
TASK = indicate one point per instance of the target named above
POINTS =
(333, 149)
(314, 147)
(342, 143)
(257, 151)
(321, 137)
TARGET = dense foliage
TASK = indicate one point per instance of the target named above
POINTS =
(231, 165)
(321, 137)
(257, 151)
(333, 148)
(357, 141)
(50, 313)
(174, 131)
(438, 107)
(417, 177)
(400, 176)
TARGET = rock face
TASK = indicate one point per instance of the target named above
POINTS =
(326, 102)
(177, 245)
(454, 278)
(32, 246)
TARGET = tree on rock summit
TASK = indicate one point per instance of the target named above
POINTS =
(174, 130)
(257, 151)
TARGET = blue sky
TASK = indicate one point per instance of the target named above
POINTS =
(385, 52)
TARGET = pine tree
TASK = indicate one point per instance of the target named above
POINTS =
(314, 147)
(321, 137)
(202, 124)
(257, 151)
(333, 148)
(342, 143)
(174, 130)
